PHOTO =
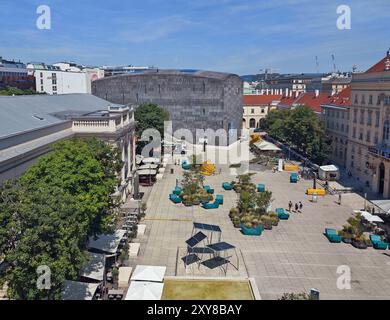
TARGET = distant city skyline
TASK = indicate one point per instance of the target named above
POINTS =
(222, 35)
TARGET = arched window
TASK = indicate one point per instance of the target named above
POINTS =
(252, 123)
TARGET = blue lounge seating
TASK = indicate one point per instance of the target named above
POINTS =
(252, 231)
(208, 189)
(185, 165)
(227, 186)
(377, 242)
(261, 187)
(177, 191)
(332, 235)
(219, 198)
(282, 214)
(174, 198)
(214, 205)
(294, 177)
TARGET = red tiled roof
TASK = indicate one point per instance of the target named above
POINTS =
(343, 98)
(263, 99)
(380, 66)
(310, 100)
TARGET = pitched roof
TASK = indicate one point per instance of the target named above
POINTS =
(312, 101)
(263, 99)
(23, 113)
(381, 65)
(343, 98)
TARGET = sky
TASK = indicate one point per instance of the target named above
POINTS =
(239, 36)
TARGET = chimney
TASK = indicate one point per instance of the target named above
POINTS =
(286, 92)
(317, 93)
(272, 91)
(291, 93)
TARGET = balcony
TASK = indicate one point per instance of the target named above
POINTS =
(380, 151)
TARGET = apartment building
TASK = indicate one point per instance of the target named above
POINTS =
(368, 157)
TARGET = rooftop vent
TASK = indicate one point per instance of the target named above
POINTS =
(38, 117)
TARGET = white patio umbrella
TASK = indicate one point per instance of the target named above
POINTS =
(142, 290)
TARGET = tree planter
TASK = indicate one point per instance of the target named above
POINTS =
(359, 245)
(347, 240)
(256, 231)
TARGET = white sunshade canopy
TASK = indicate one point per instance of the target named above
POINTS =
(329, 168)
(95, 267)
(107, 242)
(266, 146)
(151, 160)
(148, 166)
(147, 172)
(382, 204)
(370, 217)
(142, 290)
(74, 290)
(149, 273)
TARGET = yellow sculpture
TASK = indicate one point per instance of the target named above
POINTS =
(255, 137)
(208, 168)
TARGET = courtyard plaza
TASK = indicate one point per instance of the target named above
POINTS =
(294, 256)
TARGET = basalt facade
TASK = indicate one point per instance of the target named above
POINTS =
(194, 99)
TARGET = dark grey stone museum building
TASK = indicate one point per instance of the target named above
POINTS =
(194, 99)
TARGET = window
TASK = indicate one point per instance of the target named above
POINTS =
(54, 75)
(41, 74)
(41, 81)
(262, 111)
(54, 81)
(354, 132)
(252, 123)
(368, 136)
(362, 116)
(377, 116)
(356, 99)
(376, 138)
(369, 118)
(355, 116)
(54, 88)
(361, 135)
(363, 99)
(41, 88)
(252, 111)
(370, 99)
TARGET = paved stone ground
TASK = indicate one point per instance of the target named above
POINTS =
(293, 257)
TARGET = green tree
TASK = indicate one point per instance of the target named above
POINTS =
(150, 116)
(263, 200)
(300, 128)
(47, 215)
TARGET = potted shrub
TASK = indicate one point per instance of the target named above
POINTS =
(196, 199)
(274, 219)
(346, 236)
(267, 222)
(360, 242)
(236, 222)
(233, 212)
(187, 200)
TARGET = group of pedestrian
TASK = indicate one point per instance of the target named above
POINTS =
(298, 206)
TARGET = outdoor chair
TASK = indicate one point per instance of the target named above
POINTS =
(208, 189)
(261, 187)
(332, 235)
(282, 214)
(214, 205)
(177, 191)
(174, 198)
(377, 242)
(219, 198)
(227, 186)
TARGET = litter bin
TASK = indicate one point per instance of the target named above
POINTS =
(172, 170)
(314, 198)
(315, 294)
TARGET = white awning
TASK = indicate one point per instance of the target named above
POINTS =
(329, 168)
(107, 242)
(141, 290)
(370, 217)
(74, 290)
(151, 160)
(148, 166)
(95, 267)
(147, 172)
(149, 273)
(266, 146)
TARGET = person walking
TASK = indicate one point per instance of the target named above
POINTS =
(300, 206)
(296, 207)
(339, 199)
(290, 206)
